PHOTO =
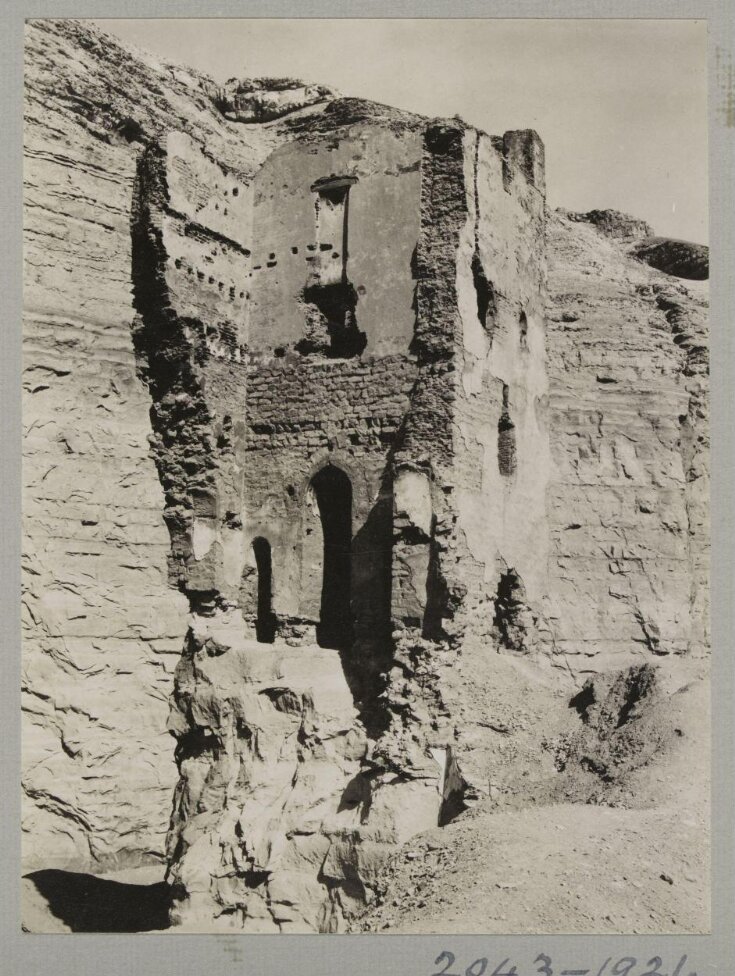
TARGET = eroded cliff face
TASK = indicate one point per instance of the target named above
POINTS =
(628, 367)
(282, 818)
(102, 627)
(302, 769)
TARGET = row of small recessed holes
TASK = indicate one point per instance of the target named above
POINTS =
(180, 263)
(272, 262)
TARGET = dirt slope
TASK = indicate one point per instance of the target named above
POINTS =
(633, 860)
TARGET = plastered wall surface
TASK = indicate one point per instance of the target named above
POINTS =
(383, 227)
(504, 385)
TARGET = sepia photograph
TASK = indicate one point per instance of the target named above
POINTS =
(366, 505)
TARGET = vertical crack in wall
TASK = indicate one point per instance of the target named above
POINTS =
(484, 291)
(506, 438)
(169, 351)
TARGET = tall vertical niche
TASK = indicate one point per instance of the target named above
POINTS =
(330, 297)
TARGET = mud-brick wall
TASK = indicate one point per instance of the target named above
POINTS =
(627, 354)
(477, 433)
(190, 266)
(302, 414)
(205, 221)
(102, 629)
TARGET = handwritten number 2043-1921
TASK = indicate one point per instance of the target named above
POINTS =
(624, 966)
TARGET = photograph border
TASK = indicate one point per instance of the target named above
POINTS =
(377, 954)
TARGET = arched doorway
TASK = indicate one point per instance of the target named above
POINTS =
(333, 493)
(265, 621)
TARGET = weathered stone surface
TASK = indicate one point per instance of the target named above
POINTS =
(682, 259)
(103, 629)
(265, 99)
(628, 367)
(591, 797)
(278, 824)
(679, 258)
(612, 223)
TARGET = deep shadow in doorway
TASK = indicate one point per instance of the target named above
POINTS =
(333, 492)
(265, 622)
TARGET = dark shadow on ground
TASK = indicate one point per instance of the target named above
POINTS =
(89, 904)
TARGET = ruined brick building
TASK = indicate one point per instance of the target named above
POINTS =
(347, 362)
(359, 331)
(366, 449)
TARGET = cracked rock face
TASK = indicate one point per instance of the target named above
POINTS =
(266, 99)
(103, 628)
(628, 376)
(281, 820)
(267, 739)
(680, 258)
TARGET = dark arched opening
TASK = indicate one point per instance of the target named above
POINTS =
(333, 492)
(265, 621)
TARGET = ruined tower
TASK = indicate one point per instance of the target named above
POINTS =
(359, 333)
(347, 361)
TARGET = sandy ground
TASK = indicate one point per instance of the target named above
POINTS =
(636, 860)
(628, 854)
(559, 869)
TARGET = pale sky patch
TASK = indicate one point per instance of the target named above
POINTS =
(620, 104)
